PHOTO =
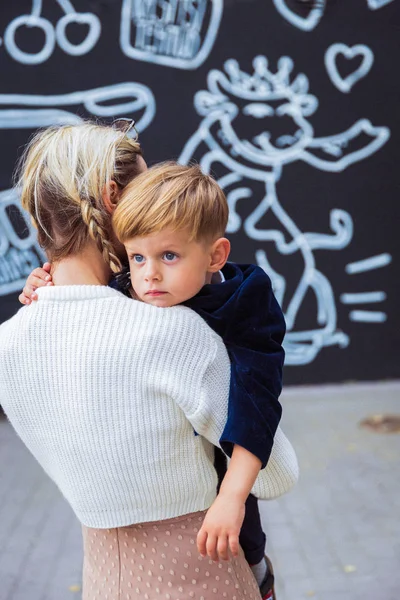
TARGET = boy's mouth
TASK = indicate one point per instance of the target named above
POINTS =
(154, 293)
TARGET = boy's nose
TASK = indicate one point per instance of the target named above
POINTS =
(152, 273)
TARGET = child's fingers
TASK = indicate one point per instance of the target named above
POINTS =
(47, 267)
(234, 544)
(201, 542)
(211, 546)
(28, 290)
(40, 273)
(37, 282)
(23, 299)
(222, 547)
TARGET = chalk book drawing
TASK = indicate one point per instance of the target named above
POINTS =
(253, 124)
(174, 33)
(20, 253)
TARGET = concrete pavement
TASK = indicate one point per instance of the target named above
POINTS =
(336, 536)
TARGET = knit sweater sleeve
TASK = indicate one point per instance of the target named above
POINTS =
(281, 472)
(207, 407)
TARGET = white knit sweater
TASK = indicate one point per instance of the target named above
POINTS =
(106, 391)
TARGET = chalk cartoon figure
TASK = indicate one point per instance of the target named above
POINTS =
(253, 125)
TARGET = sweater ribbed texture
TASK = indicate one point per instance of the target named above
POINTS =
(106, 391)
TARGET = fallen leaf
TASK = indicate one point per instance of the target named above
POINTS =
(382, 423)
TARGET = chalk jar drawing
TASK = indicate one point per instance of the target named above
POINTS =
(253, 125)
(174, 33)
(52, 34)
(345, 84)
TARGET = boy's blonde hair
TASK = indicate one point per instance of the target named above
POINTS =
(63, 175)
(172, 195)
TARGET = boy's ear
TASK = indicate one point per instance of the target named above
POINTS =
(219, 254)
(110, 196)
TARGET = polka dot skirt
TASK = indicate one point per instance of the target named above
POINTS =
(159, 561)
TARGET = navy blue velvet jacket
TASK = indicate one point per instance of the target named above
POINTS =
(244, 312)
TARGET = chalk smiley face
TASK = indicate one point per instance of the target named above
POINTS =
(264, 132)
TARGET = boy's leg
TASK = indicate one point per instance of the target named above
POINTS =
(220, 464)
(252, 539)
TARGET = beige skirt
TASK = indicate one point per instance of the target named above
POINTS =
(159, 560)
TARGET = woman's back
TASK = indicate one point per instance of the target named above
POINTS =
(100, 388)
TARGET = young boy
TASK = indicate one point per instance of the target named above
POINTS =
(171, 220)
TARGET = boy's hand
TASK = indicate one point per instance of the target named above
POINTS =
(38, 278)
(221, 527)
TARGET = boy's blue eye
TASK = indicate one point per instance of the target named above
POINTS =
(138, 258)
(169, 256)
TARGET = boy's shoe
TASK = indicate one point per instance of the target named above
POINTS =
(267, 587)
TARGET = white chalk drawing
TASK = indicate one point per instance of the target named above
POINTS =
(253, 124)
(344, 84)
(52, 34)
(316, 12)
(375, 4)
(307, 23)
(174, 33)
(363, 298)
(367, 316)
(362, 266)
(39, 110)
(368, 264)
(19, 250)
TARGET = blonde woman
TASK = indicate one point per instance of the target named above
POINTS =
(106, 391)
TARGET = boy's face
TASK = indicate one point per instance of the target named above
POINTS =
(166, 268)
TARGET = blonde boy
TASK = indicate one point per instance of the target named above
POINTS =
(171, 220)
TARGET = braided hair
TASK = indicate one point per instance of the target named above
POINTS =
(63, 176)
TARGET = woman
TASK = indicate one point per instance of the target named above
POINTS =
(106, 391)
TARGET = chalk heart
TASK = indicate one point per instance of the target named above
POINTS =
(307, 23)
(344, 84)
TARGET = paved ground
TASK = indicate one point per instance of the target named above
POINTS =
(337, 536)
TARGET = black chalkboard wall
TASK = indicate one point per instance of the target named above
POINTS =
(291, 104)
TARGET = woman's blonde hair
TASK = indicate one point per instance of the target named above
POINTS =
(63, 175)
(172, 195)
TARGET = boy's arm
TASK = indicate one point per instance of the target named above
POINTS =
(244, 312)
(254, 341)
(206, 407)
(222, 524)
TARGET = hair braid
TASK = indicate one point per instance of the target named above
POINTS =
(94, 220)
